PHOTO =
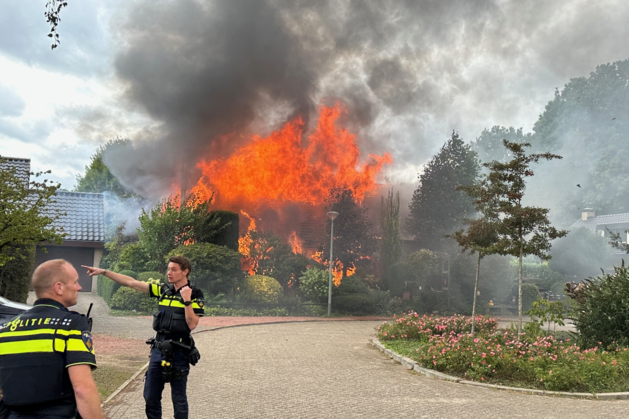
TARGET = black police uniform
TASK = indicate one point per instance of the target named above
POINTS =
(36, 349)
(170, 324)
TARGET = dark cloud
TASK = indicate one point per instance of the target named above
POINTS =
(408, 71)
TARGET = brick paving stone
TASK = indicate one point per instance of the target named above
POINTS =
(329, 370)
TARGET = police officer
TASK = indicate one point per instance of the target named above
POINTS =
(179, 307)
(47, 354)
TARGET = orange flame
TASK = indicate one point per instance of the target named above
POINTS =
(295, 243)
(337, 268)
(280, 168)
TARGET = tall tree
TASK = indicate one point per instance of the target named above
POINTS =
(390, 246)
(522, 230)
(481, 235)
(489, 145)
(26, 217)
(437, 206)
(171, 224)
(354, 242)
(98, 178)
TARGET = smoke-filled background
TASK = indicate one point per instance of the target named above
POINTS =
(210, 74)
(184, 79)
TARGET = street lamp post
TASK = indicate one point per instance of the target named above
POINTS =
(332, 215)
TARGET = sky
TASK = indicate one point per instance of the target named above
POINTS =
(175, 76)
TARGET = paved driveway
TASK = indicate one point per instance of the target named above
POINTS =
(328, 370)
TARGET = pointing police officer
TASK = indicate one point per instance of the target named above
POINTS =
(47, 354)
(172, 350)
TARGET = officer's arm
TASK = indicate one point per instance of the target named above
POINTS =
(125, 280)
(85, 391)
(192, 320)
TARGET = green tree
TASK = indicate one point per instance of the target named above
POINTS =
(170, 224)
(522, 230)
(354, 242)
(438, 205)
(390, 246)
(481, 235)
(215, 269)
(489, 145)
(98, 178)
(26, 213)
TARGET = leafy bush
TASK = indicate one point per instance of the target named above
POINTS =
(132, 257)
(262, 289)
(15, 275)
(106, 288)
(130, 299)
(602, 312)
(355, 304)
(145, 276)
(350, 285)
(314, 284)
(215, 269)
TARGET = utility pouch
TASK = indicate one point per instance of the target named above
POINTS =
(157, 316)
(167, 371)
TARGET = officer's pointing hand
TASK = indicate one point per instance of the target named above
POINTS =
(186, 293)
(91, 271)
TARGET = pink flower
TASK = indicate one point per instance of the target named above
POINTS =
(484, 355)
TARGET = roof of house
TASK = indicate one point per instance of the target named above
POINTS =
(603, 220)
(22, 167)
(85, 215)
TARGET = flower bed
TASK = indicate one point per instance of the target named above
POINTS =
(499, 357)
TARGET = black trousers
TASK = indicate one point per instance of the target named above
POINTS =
(154, 385)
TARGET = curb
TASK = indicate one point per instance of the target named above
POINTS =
(409, 364)
(145, 366)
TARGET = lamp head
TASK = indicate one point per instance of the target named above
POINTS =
(332, 215)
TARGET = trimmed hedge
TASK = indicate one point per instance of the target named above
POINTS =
(107, 288)
(130, 299)
(145, 276)
(356, 304)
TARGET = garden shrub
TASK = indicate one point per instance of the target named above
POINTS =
(350, 285)
(132, 300)
(15, 275)
(145, 276)
(501, 356)
(215, 269)
(107, 288)
(314, 283)
(260, 288)
(602, 310)
(355, 304)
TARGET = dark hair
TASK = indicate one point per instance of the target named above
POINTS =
(183, 263)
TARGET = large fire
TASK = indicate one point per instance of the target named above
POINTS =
(282, 168)
(286, 168)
